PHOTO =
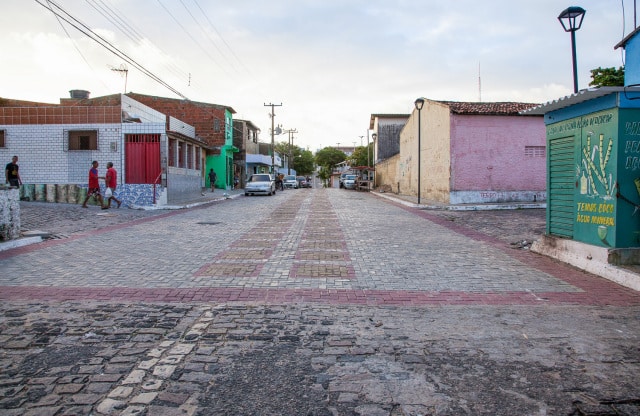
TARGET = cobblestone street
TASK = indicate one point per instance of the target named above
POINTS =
(310, 302)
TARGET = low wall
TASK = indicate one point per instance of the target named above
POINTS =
(130, 195)
(9, 214)
(486, 197)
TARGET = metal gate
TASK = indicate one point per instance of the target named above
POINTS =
(562, 178)
(142, 158)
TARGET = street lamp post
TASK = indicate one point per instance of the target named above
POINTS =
(374, 136)
(571, 20)
(419, 103)
(368, 163)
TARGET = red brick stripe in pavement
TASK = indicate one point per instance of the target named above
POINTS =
(326, 296)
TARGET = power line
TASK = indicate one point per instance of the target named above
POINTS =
(120, 22)
(222, 38)
(75, 45)
(206, 33)
(192, 38)
(105, 44)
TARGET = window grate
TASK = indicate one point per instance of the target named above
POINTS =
(535, 151)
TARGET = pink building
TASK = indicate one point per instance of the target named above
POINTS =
(473, 153)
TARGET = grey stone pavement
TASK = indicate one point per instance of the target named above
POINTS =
(309, 302)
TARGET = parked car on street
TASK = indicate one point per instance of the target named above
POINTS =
(290, 181)
(260, 183)
(349, 181)
(302, 182)
(343, 175)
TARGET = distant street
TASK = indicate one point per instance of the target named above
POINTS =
(309, 302)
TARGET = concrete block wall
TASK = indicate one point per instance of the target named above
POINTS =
(135, 195)
(9, 214)
(44, 156)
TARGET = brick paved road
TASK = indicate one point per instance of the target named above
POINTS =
(311, 302)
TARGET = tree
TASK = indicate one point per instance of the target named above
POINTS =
(607, 77)
(304, 163)
(324, 174)
(301, 160)
(329, 157)
(360, 157)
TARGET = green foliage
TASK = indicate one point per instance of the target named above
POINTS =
(324, 174)
(330, 157)
(607, 77)
(301, 160)
(359, 156)
(304, 163)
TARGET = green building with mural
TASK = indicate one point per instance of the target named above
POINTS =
(593, 171)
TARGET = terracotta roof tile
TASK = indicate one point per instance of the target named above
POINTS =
(489, 108)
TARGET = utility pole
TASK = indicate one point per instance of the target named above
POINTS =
(273, 115)
(290, 131)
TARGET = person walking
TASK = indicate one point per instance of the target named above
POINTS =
(212, 179)
(94, 186)
(12, 173)
(111, 181)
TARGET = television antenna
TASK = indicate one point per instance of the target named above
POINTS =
(124, 71)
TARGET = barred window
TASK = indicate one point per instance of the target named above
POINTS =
(83, 140)
(535, 151)
(3, 143)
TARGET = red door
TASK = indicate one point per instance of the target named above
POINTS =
(142, 158)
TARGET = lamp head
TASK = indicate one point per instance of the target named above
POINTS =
(571, 18)
(419, 103)
(374, 136)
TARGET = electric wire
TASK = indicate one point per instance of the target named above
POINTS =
(215, 45)
(106, 44)
(193, 39)
(221, 37)
(77, 48)
(118, 20)
(115, 20)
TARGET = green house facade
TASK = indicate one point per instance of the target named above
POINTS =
(593, 167)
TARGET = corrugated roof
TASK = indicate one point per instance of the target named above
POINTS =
(488, 108)
(577, 98)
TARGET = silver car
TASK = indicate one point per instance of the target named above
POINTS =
(290, 181)
(349, 181)
(260, 183)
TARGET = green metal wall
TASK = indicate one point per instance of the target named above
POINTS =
(594, 164)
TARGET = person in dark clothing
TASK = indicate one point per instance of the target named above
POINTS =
(212, 179)
(12, 173)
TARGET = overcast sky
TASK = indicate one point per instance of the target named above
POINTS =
(331, 63)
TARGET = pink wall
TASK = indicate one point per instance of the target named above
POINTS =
(488, 153)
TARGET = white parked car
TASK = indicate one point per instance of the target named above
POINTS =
(349, 181)
(260, 183)
(290, 181)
